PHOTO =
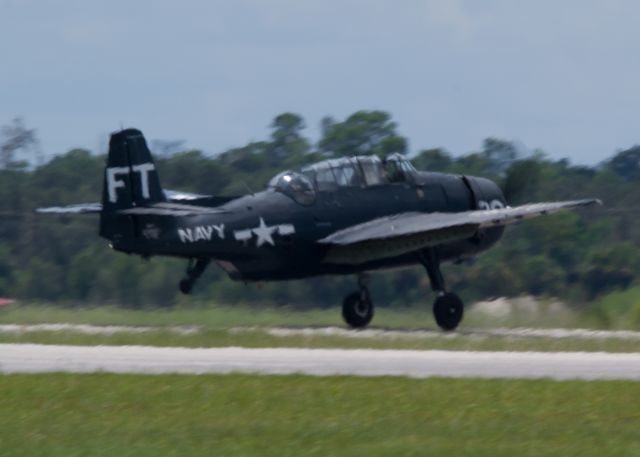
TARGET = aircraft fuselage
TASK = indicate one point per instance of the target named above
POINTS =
(269, 236)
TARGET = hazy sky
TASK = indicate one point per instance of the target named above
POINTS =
(563, 76)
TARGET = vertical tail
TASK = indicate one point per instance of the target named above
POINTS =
(130, 179)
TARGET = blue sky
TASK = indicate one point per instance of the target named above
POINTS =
(560, 76)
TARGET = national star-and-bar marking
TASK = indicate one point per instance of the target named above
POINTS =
(264, 233)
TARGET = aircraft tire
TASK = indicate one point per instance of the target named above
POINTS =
(448, 310)
(185, 286)
(356, 312)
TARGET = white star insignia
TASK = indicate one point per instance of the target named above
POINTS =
(264, 234)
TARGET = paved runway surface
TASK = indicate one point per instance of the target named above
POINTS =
(33, 358)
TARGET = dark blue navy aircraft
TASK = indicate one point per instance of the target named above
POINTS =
(340, 216)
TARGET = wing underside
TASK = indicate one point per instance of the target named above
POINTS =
(406, 232)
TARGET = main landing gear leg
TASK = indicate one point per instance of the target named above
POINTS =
(448, 307)
(357, 307)
(195, 268)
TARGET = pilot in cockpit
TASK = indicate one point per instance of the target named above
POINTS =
(393, 170)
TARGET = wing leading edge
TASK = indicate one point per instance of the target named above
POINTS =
(406, 232)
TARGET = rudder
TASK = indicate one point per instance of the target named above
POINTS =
(130, 180)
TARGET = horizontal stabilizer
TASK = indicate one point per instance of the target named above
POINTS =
(79, 208)
(170, 209)
(156, 209)
(179, 196)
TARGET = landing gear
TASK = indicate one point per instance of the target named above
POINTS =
(357, 307)
(185, 285)
(448, 308)
(195, 268)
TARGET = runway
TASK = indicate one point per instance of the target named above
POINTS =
(34, 358)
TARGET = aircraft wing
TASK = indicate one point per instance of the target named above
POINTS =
(406, 232)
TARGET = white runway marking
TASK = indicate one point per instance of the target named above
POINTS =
(33, 358)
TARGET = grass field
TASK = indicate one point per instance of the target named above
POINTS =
(217, 316)
(214, 317)
(216, 326)
(258, 337)
(238, 415)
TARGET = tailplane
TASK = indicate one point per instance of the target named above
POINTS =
(132, 198)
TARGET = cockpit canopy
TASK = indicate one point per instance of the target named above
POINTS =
(334, 173)
(328, 175)
(398, 168)
(295, 185)
(358, 171)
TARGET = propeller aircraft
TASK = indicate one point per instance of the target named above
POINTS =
(341, 216)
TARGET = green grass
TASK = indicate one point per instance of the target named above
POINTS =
(216, 326)
(619, 308)
(205, 316)
(240, 415)
(218, 316)
(260, 338)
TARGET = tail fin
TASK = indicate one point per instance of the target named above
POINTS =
(130, 180)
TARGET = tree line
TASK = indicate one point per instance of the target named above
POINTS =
(577, 256)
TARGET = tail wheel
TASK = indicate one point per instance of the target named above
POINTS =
(448, 310)
(357, 309)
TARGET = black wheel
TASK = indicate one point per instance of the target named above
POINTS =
(357, 309)
(448, 310)
(185, 286)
